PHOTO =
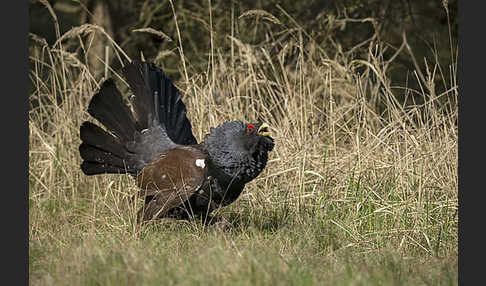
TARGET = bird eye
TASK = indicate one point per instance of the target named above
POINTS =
(250, 128)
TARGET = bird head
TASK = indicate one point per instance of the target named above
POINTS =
(255, 137)
(240, 149)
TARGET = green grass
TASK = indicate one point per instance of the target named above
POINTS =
(263, 248)
(359, 190)
(356, 240)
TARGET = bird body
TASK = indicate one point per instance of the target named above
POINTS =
(155, 144)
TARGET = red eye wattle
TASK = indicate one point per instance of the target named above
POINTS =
(250, 127)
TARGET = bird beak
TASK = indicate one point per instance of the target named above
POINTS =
(263, 130)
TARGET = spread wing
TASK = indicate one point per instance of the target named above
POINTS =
(170, 180)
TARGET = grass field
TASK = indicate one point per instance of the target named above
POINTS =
(361, 189)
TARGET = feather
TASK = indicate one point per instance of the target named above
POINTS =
(108, 108)
(95, 136)
(156, 98)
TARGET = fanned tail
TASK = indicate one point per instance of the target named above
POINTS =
(132, 140)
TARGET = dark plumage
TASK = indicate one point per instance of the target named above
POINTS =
(155, 144)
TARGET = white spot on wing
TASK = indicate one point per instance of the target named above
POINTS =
(200, 163)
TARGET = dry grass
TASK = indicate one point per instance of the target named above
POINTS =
(359, 189)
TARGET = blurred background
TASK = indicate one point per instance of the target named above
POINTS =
(343, 29)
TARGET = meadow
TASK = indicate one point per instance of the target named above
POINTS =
(361, 188)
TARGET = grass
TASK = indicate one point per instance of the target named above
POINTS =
(360, 189)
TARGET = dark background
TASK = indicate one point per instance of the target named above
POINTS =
(342, 23)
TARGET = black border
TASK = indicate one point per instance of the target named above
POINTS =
(470, 145)
(15, 143)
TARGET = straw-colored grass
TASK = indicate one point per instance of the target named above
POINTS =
(360, 188)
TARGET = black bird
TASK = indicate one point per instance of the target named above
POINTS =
(176, 175)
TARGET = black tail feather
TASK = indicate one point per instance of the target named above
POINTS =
(94, 135)
(146, 81)
(90, 168)
(107, 107)
(95, 155)
(107, 158)
(143, 99)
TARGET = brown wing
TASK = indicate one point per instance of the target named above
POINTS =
(170, 180)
